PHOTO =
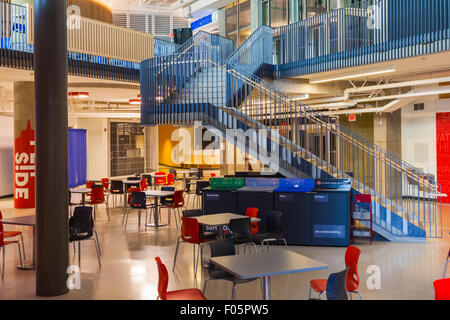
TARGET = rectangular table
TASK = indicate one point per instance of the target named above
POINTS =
(83, 192)
(29, 221)
(213, 222)
(267, 264)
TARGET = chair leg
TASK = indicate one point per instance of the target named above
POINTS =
(79, 254)
(139, 219)
(233, 292)
(98, 243)
(3, 262)
(98, 252)
(204, 286)
(23, 248)
(356, 292)
(20, 254)
(176, 253)
(310, 291)
(107, 211)
(445, 268)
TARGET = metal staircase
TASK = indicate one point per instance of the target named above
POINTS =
(204, 82)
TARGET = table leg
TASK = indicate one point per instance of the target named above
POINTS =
(31, 266)
(156, 223)
(265, 287)
(83, 199)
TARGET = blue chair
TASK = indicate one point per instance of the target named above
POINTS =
(336, 286)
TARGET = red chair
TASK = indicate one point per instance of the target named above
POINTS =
(89, 185)
(190, 233)
(442, 289)
(143, 185)
(253, 213)
(446, 264)
(13, 234)
(160, 180)
(351, 260)
(163, 283)
(170, 179)
(3, 245)
(178, 202)
(98, 197)
(105, 183)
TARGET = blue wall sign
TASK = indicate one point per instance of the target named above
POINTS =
(329, 231)
(211, 18)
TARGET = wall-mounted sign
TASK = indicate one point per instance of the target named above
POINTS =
(211, 18)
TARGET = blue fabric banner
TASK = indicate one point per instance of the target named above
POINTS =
(77, 157)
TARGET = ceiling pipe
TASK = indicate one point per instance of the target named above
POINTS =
(410, 94)
(349, 91)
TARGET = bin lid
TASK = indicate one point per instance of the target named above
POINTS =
(333, 185)
(226, 184)
(260, 184)
(296, 185)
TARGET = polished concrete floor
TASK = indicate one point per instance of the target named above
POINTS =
(129, 270)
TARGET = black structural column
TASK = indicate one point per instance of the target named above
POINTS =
(50, 65)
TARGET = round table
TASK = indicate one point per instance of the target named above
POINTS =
(157, 194)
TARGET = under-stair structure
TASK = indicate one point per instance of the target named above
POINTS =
(205, 81)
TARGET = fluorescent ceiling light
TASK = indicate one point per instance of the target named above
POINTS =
(302, 97)
(354, 75)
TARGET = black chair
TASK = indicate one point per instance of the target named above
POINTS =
(149, 180)
(336, 286)
(274, 230)
(220, 248)
(116, 188)
(81, 228)
(241, 233)
(198, 191)
(167, 200)
(192, 213)
(188, 190)
(138, 201)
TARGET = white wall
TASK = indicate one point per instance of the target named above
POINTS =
(419, 133)
(97, 146)
(6, 156)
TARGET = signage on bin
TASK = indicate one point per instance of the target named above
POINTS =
(320, 198)
(329, 231)
(24, 169)
(286, 197)
(212, 196)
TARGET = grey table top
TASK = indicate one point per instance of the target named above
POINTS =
(81, 190)
(220, 219)
(249, 266)
(21, 221)
(158, 193)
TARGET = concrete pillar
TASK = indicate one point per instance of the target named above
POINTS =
(255, 14)
(24, 145)
(222, 22)
(387, 135)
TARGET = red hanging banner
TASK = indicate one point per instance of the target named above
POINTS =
(443, 153)
(24, 169)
